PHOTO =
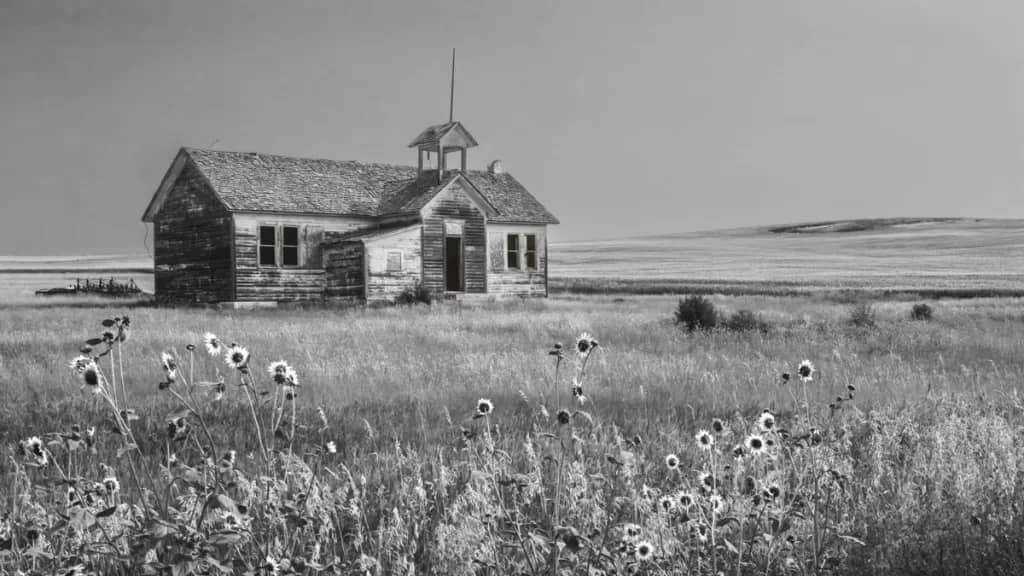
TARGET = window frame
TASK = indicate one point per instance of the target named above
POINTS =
(387, 261)
(527, 252)
(510, 252)
(279, 246)
(297, 246)
(260, 245)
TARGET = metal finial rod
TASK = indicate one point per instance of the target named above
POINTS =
(451, 101)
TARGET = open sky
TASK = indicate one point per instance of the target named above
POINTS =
(624, 118)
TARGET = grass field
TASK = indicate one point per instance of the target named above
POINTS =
(901, 455)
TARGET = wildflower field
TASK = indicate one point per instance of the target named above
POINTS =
(568, 436)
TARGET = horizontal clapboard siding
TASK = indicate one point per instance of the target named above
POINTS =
(346, 276)
(502, 280)
(384, 284)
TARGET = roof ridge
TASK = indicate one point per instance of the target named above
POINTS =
(290, 157)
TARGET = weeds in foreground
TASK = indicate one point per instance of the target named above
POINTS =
(809, 490)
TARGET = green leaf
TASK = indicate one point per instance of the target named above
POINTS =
(849, 538)
(108, 323)
(108, 512)
(178, 414)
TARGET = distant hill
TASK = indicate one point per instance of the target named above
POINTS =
(896, 253)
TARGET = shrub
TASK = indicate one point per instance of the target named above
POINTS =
(746, 321)
(921, 311)
(862, 315)
(415, 294)
(696, 312)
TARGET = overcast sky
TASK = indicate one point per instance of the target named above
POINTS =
(624, 118)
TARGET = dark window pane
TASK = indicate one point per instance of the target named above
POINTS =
(513, 259)
(267, 235)
(531, 260)
(531, 242)
(290, 256)
(291, 236)
(513, 242)
(267, 256)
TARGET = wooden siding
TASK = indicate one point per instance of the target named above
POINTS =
(346, 275)
(383, 285)
(454, 203)
(502, 280)
(192, 257)
(307, 281)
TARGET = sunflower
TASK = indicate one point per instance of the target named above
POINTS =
(585, 344)
(806, 371)
(702, 532)
(79, 363)
(91, 377)
(705, 440)
(785, 376)
(563, 416)
(706, 480)
(331, 447)
(774, 491)
(672, 461)
(685, 500)
(717, 504)
(738, 451)
(484, 407)
(279, 372)
(111, 485)
(291, 392)
(644, 551)
(213, 344)
(577, 389)
(33, 448)
(666, 503)
(170, 366)
(229, 458)
(237, 357)
(766, 421)
(755, 444)
(631, 531)
(717, 426)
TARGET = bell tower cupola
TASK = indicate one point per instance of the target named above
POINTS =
(443, 139)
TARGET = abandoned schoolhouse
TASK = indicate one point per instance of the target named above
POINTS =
(249, 228)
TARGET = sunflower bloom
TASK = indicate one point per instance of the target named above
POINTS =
(213, 344)
(237, 357)
(705, 441)
(806, 371)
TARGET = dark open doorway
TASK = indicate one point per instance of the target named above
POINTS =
(453, 264)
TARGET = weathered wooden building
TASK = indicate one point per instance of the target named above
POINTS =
(257, 228)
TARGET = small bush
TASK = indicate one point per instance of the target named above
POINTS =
(696, 312)
(416, 294)
(921, 311)
(862, 315)
(746, 321)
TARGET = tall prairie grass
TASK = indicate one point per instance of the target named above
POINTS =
(900, 456)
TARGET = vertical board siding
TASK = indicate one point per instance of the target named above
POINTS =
(384, 285)
(516, 282)
(192, 244)
(454, 203)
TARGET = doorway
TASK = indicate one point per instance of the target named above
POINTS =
(453, 264)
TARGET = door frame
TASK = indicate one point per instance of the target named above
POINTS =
(461, 262)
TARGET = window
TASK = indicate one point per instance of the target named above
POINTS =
(289, 246)
(268, 246)
(531, 252)
(278, 246)
(394, 261)
(512, 250)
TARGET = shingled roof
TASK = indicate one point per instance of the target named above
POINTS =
(251, 182)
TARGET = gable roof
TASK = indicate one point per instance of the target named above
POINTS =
(433, 135)
(251, 182)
